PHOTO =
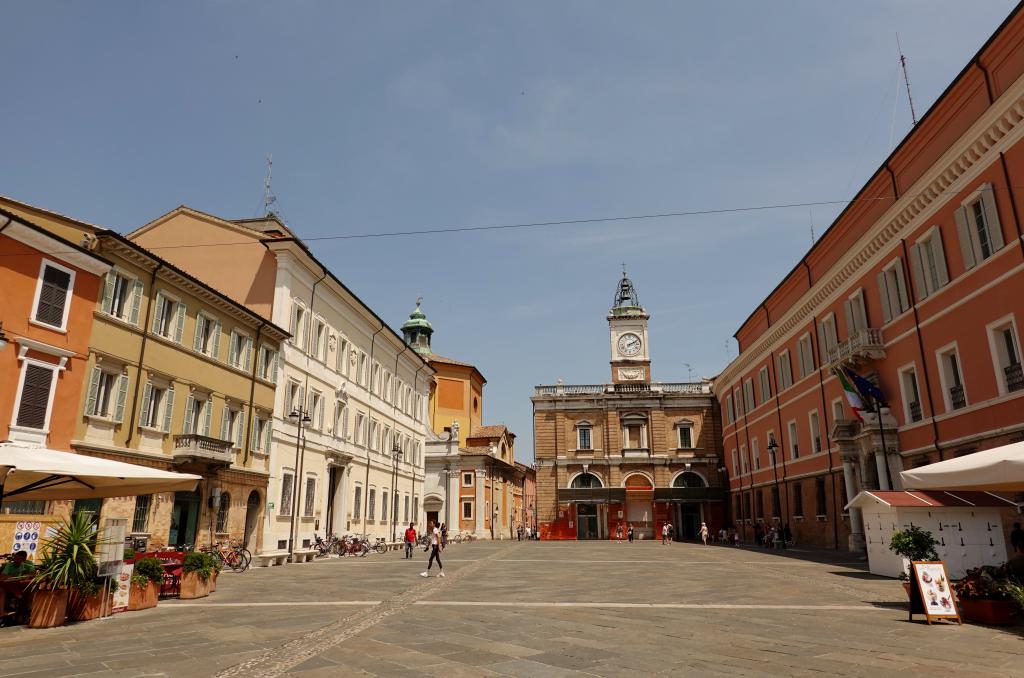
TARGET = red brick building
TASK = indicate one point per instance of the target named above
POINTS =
(918, 286)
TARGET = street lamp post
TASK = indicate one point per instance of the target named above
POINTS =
(773, 448)
(300, 418)
(396, 455)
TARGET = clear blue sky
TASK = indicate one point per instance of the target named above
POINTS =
(398, 116)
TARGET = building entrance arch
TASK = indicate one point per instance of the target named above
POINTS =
(640, 504)
(252, 519)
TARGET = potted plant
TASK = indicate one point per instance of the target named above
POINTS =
(987, 596)
(195, 576)
(87, 600)
(147, 576)
(68, 562)
(912, 544)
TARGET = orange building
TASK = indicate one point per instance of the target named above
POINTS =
(916, 286)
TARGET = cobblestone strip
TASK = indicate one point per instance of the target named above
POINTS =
(281, 659)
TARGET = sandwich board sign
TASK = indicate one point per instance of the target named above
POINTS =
(931, 594)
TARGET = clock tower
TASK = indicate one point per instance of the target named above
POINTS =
(627, 327)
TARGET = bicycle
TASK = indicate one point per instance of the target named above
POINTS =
(380, 545)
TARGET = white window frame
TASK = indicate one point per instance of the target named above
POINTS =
(287, 499)
(580, 427)
(925, 284)
(730, 412)
(996, 349)
(689, 426)
(267, 354)
(940, 359)
(298, 325)
(158, 411)
(785, 367)
(970, 244)
(749, 402)
(309, 498)
(320, 337)
(755, 452)
(736, 471)
(828, 336)
(856, 313)
(214, 340)
(743, 459)
(469, 475)
(837, 412)
(793, 438)
(243, 356)
(803, 355)
(812, 427)
(54, 370)
(173, 331)
(294, 397)
(892, 290)
(764, 383)
(316, 409)
(467, 503)
(132, 303)
(901, 374)
(68, 296)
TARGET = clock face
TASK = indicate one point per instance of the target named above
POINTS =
(629, 344)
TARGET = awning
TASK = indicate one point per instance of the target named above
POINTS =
(998, 469)
(928, 499)
(37, 473)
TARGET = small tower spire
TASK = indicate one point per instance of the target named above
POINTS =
(417, 330)
(625, 293)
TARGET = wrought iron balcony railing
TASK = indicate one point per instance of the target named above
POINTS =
(1014, 377)
(956, 396)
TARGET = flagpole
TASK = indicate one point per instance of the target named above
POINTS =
(883, 468)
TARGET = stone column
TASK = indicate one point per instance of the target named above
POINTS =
(883, 470)
(856, 543)
(481, 503)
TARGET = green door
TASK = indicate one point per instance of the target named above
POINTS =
(184, 518)
(90, 507)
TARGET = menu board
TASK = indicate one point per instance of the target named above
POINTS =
(935, 598)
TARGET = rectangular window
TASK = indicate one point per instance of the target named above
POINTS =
(911, 395)
(743, 458)
(293, 397)
(360, 428)
(748, 395)
(316, 409)
(467, 479)
(583, 434)
(730, 413)
(319, 348)
(168, 317)
(785, 371)
(241, 350)
(310, 499)
(837, 409)
(374, 435)
(266, 367)
(53, 295)
(357, 506)
(815, 429)
(797, 495)
(102, 393)
(805, 355)
(856, 313)
(406, 512)
(735, 463)
(298, 325)
(928, 264)
(952, 379)
(342, 356)
(467, 510)
(207, 338)
(633, 437)
(33, 408)
(373, 504)
(258, 434)
(794, 441)
(892, 290)
(1005, 349)
(828, 338)
(140, 519)
(686, 436)
(340, 419)
(121, 296)
(362, 370)
(287, 489)
(765, 384)
(977, 224)
(819, 496)
(755, 452)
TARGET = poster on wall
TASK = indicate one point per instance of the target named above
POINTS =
(936, 599)
(121, 586)
(26, 538)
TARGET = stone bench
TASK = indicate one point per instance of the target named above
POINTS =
(304, 556)
(270, 558)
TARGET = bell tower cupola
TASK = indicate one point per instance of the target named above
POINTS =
(627, 326)
(417, 330)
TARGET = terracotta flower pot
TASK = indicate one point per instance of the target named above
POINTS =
(84, 608)
(143, 597)
(49, 608)
(192, 586)
(213, 580)
(990, 612)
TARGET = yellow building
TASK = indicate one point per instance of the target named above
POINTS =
(178, 377)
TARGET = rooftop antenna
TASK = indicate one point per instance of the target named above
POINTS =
(689, 370)
(906, 80)
(268, 196)
(810, 213)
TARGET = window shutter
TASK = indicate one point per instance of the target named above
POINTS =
(233, 349)
(995, 230)
(966, 244)
(917, 272)
(158, 313)
(267, 431)
(35, 397)
(240, 430)
(848, 312)
(208, 407)
(224, 422)
(216, 339)
(197, 342)
(248, 353)
(901, 288)
(108, 291)
(53, 296)
(261, 359)
(861, 309)
(190, 408)
(169, 409)
(122, 395)
(276, 365)
(179, 325)
(822, 343)
(887, 312)
(147, 397)
(94, 387)
(136, 299)
(940, 257)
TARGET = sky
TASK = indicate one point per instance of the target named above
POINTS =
(392, 116)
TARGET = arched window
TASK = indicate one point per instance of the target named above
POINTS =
(222, 512)
(688, 479)
(637, 481)
(585, 481)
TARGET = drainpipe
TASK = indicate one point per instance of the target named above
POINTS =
(782, 438)
(366, 486)
(252, 395)
(142, 352)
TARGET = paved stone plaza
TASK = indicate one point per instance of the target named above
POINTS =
(531, 609)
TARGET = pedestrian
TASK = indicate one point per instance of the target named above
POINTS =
(436, 546)
(410, 540)
(618, 533)
(664, 534)
(723, 535)
(444, 536)
(629, 533)
(528, 533)
(519, 533)
(758, 534)
(787, 536)
(704, 533)
(1017, 539)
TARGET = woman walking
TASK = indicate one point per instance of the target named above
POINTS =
(704, 533)
(436, 546)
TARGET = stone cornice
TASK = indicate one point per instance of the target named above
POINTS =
(997, 129)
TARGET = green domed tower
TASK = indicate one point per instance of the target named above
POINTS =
(417, 330)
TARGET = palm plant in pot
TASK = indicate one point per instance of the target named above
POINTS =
(195, 578)
(913, 544)
(69, 562)
(147, 576)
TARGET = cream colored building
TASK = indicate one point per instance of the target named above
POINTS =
(364, 391)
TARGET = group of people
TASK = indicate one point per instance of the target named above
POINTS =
(526, 533)
(772, 536)
(668, 532)
(14, 579)
(437, 540)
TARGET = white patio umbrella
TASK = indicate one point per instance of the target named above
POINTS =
(28, 473)
(998, 469)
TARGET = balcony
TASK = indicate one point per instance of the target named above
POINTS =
(192, 447)
(860, 347)
(699, 388)
(689, 495)
(956, 396)
(591, 495)
(1014, 377)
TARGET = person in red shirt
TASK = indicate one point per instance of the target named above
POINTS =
(410, 540)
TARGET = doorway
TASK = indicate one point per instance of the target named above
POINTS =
(88, 507)
(689, 521)
(333, 481)
(184, 518)
(252, 519)
(586, 521)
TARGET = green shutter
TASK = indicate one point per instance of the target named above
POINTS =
(240, 430)
(233, 350)
(190, 407)
(995, 230)
(248, 353)
(122, 395)
(268, 432)
(179, 325)
(197, 341)
(966, 243)
(147, 397)
(169, 408)
(94, 385)
(277, 366)
(208, 407)
(136, 300)
(216, 340)
(224, 423)
(108, 291)
(917, 272)
(158, 313)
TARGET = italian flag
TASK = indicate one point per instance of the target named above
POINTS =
(852, 396)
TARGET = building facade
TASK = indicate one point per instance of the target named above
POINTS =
(628, 453)
(178, 377)
(350, 413)
(917, 287)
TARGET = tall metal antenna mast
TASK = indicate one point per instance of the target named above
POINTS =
(268, 196)
(903, 64)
